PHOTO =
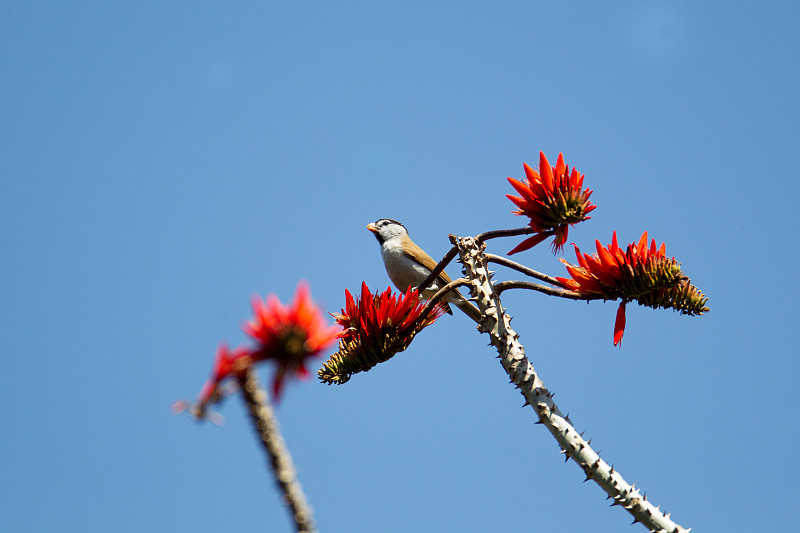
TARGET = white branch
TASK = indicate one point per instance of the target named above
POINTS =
(496, 323)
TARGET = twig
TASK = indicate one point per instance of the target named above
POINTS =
(266, 426)
(441, 294)
(500, 260)
(450, 255)
(561, 293)
(438, 270)
(496, 323)
(502, 233)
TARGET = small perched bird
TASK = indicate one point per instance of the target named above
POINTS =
(408, 265)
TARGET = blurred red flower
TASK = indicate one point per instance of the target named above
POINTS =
(289, 335)
(553, 199)
(227, 363)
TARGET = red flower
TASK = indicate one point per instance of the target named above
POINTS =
(227, 363)
(553, 201)
(288, 335)
(640, 273)
(376, 327)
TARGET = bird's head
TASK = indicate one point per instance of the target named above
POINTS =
(386, 229)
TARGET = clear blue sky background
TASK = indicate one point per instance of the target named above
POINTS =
(162, 162)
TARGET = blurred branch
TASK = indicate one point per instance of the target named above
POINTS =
(512, 356)
(266, 425)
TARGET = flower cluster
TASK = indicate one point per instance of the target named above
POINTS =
(642, 273)
(553, 199)
(376, 327)
(289, 335)
(227, 363)
(286, 335)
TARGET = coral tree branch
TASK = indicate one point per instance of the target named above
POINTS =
(506, 262)
(266, 425)
(550, 291)
(512, 356)
(438, 270)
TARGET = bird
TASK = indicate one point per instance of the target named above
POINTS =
(408, 265)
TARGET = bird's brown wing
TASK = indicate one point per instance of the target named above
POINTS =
(418, 254)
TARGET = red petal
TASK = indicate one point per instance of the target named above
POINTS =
(530, 173)
(349, 303)
(561, 237)
(365, 294)
(579, 256)
(568, 283)
(546, 172)
(642, 244)
(521, 187)
(561, 168)
(277, 383)
(575, 179)
(619, 324)
(529, 243)
(605, 256)
(523, 204)
(524, 189)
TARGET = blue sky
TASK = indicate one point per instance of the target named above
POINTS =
(162, 162)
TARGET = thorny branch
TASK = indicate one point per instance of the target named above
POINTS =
(500, 260)
(496, 323)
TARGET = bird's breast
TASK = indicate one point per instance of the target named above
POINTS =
(402, 270)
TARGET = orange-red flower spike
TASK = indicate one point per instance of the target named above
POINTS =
(553, 199)
(642, 273)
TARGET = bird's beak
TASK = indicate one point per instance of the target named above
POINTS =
(372, 227)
